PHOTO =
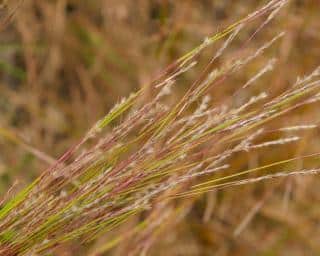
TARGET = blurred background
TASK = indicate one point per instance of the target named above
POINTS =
(64, 64)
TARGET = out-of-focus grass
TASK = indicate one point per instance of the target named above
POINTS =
(65, 63)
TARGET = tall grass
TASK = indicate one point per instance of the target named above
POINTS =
(155, 157)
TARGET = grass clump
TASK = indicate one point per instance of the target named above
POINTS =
(153, 158)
